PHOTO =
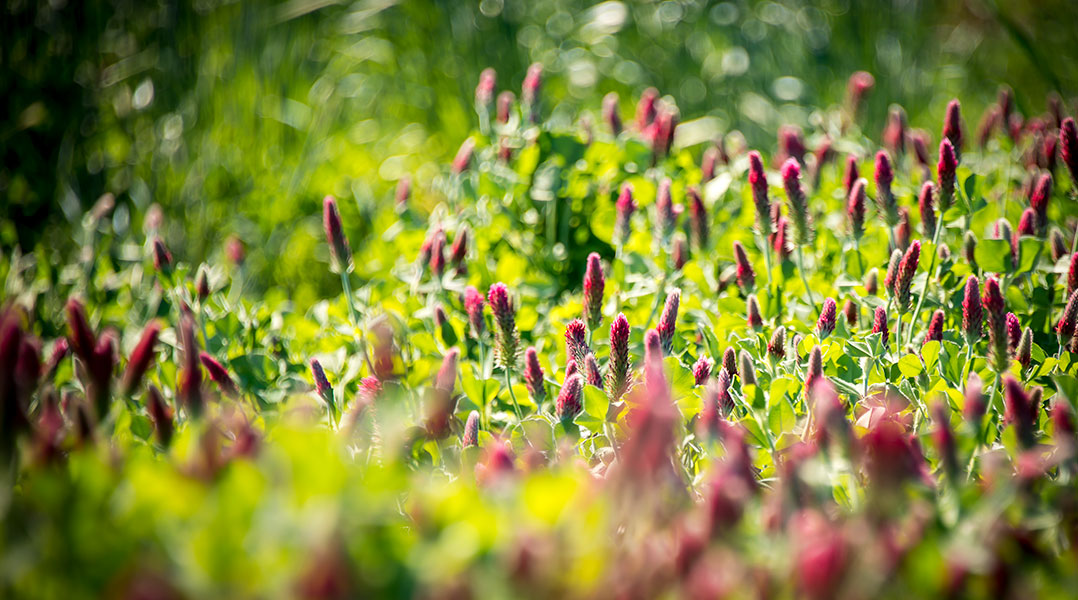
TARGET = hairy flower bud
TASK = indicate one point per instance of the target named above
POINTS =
(776, 347)
(895, 133)
(791, 144)
(851, 312)
(570, 398)
(1014, 331)
(321, 383)
(729, 361)
(484, 91)
(679, 254)
(995, 316)
(701, 370)
(826, 323)
(403, 192)
(906, 270)
(219, 375)
(447, 373)
(1068, 146)
(160, 415)
(576, 341)
(529, 91)
(753, 317)
(593, 375)
(746, 277)
(533, 376)
(463, 159)
(972, 311)
(471, 430)
(795, 196)
(1020, 411)
(855, 208)
(141, 358)
(969, 249)
(946, 172)
(885, 200)
(617, 375)
(610, 113)
(1042, 193)
(879, 324)
(1023, 352)
(459, 250)
(505, 326)
(758, 181)
(666, 214)
(813, 370)
(747, 368)
(952, 127)
(872, 282)
(668, 321)
(340, 252)
(893, 266)
(473, 304)
(699, 219)
(505, 106)
(851, 175)
(1058, 245)
(925, 203)
(594, 282)
(1069, 320)
(708, 161)
(935, 328)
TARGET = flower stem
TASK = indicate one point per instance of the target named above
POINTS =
(516, 406)
(347, 285)
(804, 280)
(930, 272)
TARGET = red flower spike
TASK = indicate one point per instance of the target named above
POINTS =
(141, 358)
(617, 376)
(1068, 146)
(471, 430)
(576, 341)
(879, 324)
(935, 328)
(952, 127)
(219, 375)
(972, 311)
(746, 277)
(610, 113)
(946, 172)
(855, 208)
(594, 282)
(925, 203)
(668, 321)
(340, 252)
(850, 310)
(758, 181)
(570, 399)
(533, 376)
(826, 323)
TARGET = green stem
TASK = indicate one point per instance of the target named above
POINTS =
(658, 300)
(513, 396)
(930, 272)
(347, 285)
(483, 383)
(857, 253)
(804, 280)
(610, 437)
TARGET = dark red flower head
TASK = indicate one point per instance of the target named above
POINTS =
(850, 310)
(791, 144)
(1020, 411)
(1069, 321)
(610, 113)
(576, 341)
(505, 331)
(668, 321)
(141, 358)
(484, 91)
(746, 276)
(626, 206)
(701, 370)
(340, 252)
(826, 323)
(473, 304)
(594, 282)
(855, 208)
(617, 375)
(906, 270)
(533, 376)
(885, 200)
(795, 196)
(925, 203)
(505, 105)
(1068, 146)
(464, 157)
(471, 430)
(952, 126)
(645, 108)
(447, 373)
(219, 375)
(162, 258)
(851, 176)
(935, 328)
(758, 181)
(1042, 193)
(946, 171)
(776, 347)
(729, 360)
(755, 320)
(879, 324)
(972, 311)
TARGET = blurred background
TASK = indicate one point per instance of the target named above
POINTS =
(237, 117)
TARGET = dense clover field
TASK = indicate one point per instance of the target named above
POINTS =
(844, 368)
